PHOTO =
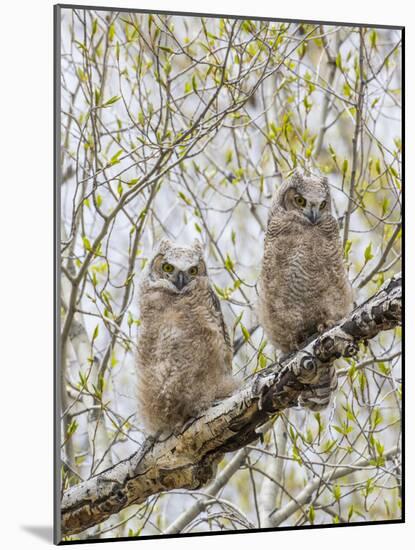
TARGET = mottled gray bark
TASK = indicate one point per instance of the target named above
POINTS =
(188, 460)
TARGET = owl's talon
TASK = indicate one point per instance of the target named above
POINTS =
(182, 427)
(351, 350)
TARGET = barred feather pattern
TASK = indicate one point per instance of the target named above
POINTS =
(184, 360)
(303, 285)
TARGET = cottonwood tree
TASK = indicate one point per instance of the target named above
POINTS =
(182, 127)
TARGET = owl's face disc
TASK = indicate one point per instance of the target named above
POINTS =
(308, 197)
(177, 268)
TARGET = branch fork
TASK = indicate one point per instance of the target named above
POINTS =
(188, 460)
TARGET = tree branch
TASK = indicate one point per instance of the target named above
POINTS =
(189, 459)
(211, 491)
(304, 496)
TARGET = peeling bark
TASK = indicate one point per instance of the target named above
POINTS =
(188, 460)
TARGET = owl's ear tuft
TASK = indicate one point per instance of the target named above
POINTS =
(325, 181)
(163, 246)
(198, 246)
(297, 176)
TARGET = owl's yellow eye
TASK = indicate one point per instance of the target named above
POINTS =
(168, 268)
(193, 271)
(323, 205)
(300, 201)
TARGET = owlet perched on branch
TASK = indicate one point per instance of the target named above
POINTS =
(303, 285)
(185, 354)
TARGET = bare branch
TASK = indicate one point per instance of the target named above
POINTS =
(189, 460)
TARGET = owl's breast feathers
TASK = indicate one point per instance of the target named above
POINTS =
(293, 245)
(184, 355)
(303, 281)
(190, 319)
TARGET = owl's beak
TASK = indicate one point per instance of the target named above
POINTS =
(181, 280)
(313, 214)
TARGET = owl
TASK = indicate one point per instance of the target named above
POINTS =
(185, 354)
(303, 285)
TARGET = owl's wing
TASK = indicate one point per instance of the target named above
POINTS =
(219, 314)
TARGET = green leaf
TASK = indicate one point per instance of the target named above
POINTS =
(115, 158)
(344, 429)
(385, 206)
(82, 380)
(344, 167)
(262, 361)
(219, 291)
(369, 487)
(332, 152)
(229, 263)
(347, 91)
(185, 199)
(328, 445)
(245, 332)
(111, 101)
(167, 67)
(362, 380)
(296, 455)
(111, 32)
(81, 75)
(379, 448)
(311, 514)
(384, 369)
(374, 102)
(368, 253)
(166, 49)
(94, 26)
(71, 429)
(347, 248)
(301, 50)
(376, 417)
(393, 171)
(337, 492)
(81, 46)
(87, 244)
